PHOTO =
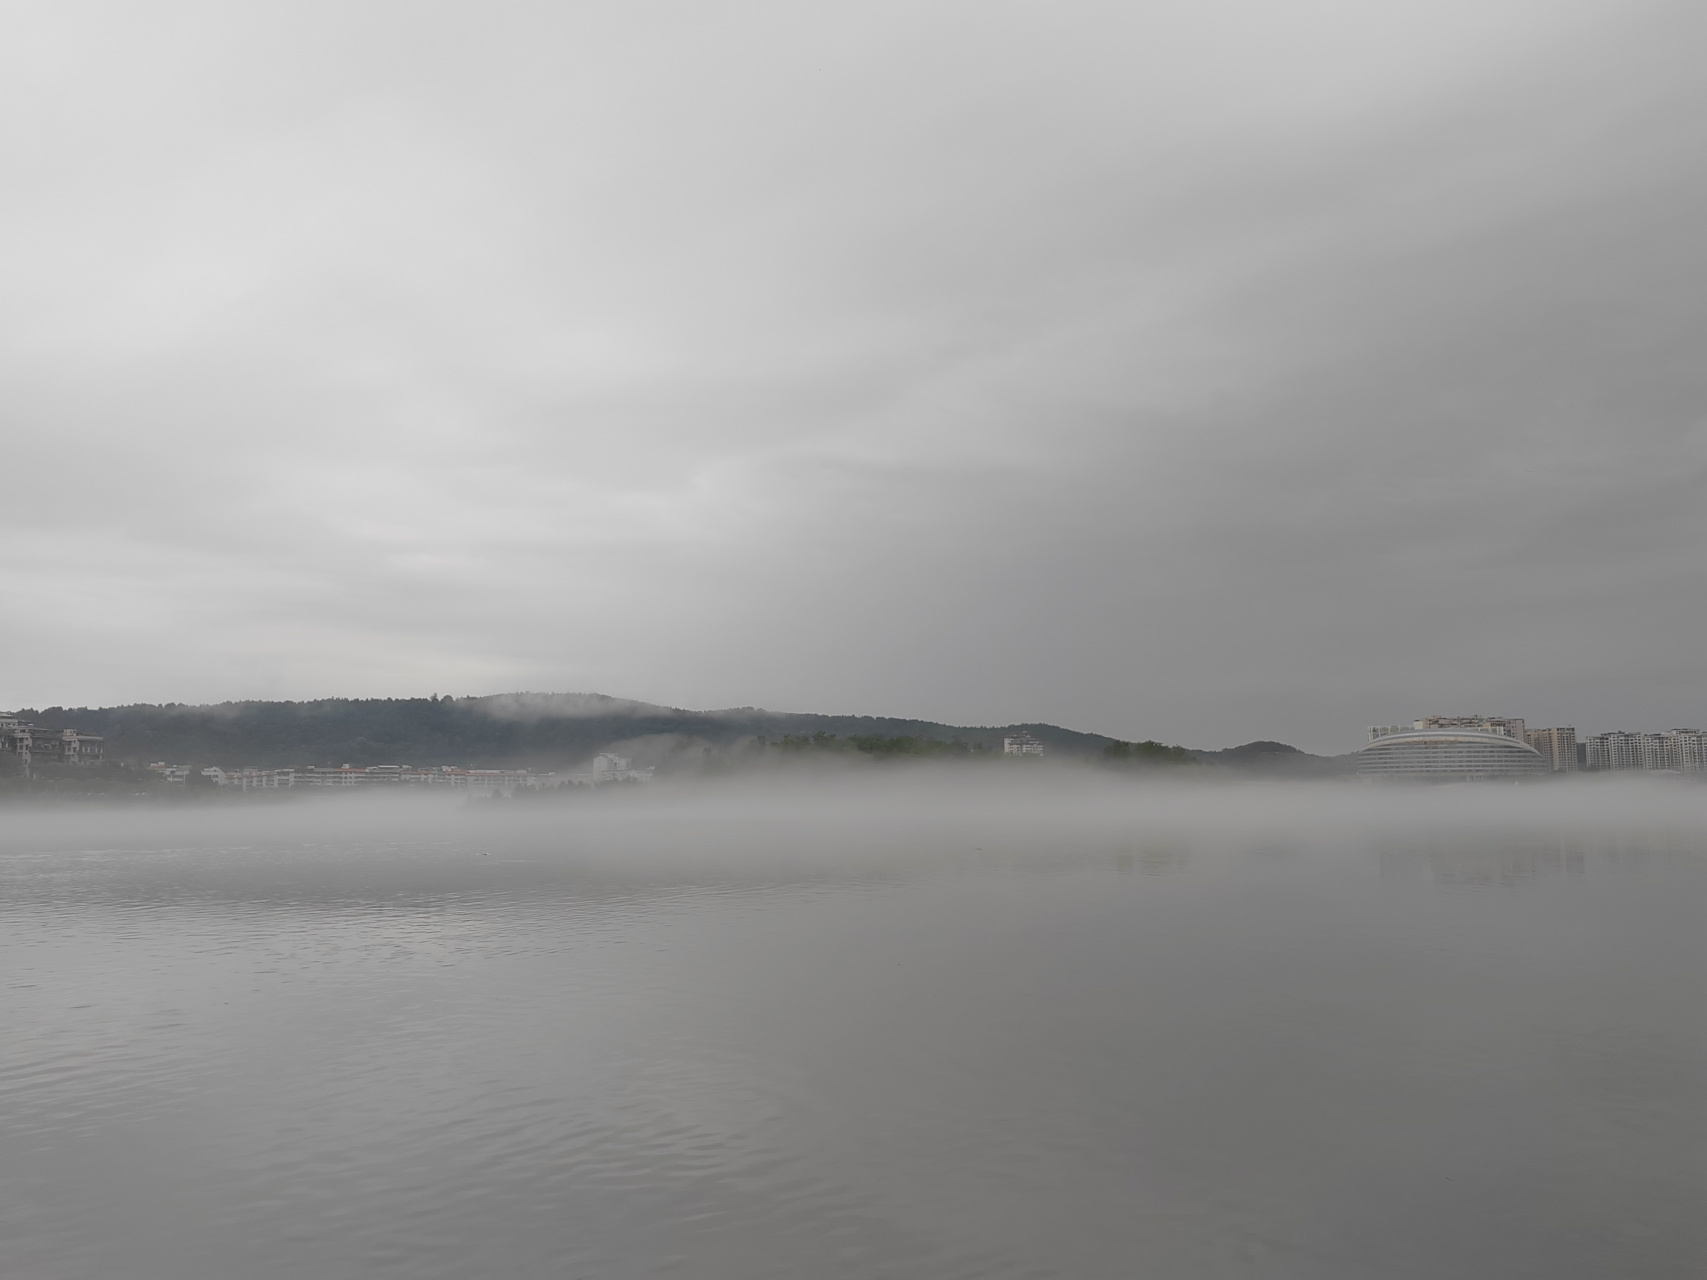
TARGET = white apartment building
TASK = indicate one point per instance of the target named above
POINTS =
(1619, 751)
(1656, 751)
(1021, 744)
(610, 767)
(1557, 746)
(1676, 751)
(35, 745)
(1687, 750)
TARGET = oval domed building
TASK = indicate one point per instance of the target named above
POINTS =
(1449, 755)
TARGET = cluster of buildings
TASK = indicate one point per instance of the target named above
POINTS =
(32, 745)
(606, 769)
(1434, 747)
(612, 768)
(349, 775)
(1474, 747)
(1675, 751)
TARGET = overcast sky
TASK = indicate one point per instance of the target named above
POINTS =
(1202, 370)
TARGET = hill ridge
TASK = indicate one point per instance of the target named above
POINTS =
(519, 728)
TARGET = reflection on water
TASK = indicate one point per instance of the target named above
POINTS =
(1156, 856)
(1472, 861)
(852, 1039)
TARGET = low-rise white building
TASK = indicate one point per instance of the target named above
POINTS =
(35, 745)
(367, 776)
(610, 767)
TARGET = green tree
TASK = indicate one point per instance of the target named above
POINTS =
(1148, 752)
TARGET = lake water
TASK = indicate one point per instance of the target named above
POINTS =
(860, 1031)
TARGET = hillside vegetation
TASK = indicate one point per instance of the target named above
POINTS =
(560, 731)
(547, 732)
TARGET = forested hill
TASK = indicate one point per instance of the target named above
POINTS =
(542, 731)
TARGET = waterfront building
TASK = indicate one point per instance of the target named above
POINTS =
(1675, 751)
(35, 745)
(1557, 746)
(1619, 751)
(1449, 755)
(1594, 753)
(1656, 751)
(261, 779)
(349, 775)
(1687, 751)
(609, 767)
(444, 775)
(1021, 744)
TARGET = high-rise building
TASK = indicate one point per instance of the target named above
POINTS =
(1656, 751)
(1627, 750)
(1557, 746)
(1619, 751)
(1686, 750)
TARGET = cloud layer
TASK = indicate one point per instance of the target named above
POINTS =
(1199, 371)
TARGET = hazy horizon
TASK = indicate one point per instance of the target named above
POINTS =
(530, 704)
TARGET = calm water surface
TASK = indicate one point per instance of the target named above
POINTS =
(850, 1039)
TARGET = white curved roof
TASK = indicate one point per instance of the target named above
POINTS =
(1449, 735)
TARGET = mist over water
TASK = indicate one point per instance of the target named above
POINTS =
(906, 1025)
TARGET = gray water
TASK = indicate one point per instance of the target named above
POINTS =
(1226, 1033)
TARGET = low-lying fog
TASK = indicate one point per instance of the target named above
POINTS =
(908, 1023)
(822, 819)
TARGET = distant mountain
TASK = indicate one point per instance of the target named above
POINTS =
(1277, 758)
(536, 730)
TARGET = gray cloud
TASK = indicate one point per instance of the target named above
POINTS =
(1197, 371)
